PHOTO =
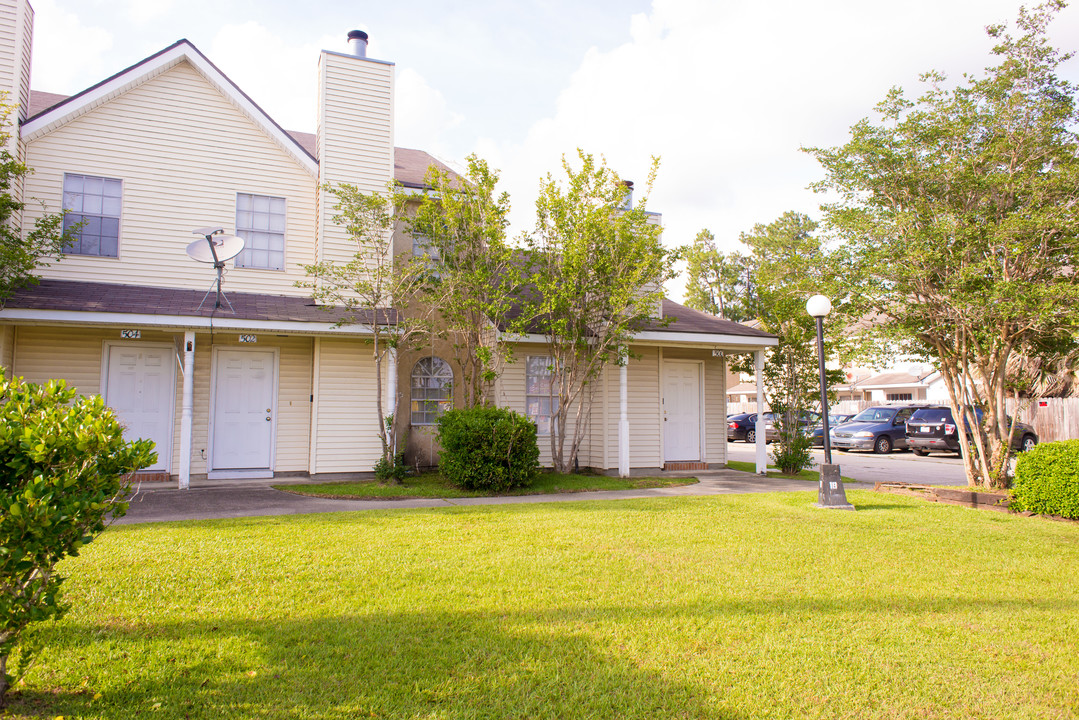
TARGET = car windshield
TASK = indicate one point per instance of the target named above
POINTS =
(875, 415)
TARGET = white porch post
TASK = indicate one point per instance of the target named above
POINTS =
(761, 446)
(188, 408)
(623, 415)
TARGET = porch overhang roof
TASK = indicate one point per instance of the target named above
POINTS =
(69, 302)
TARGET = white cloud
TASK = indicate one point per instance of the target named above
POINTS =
(421, 113)
(68, 52)
(726, 93)
(142, 12)
(278, 74)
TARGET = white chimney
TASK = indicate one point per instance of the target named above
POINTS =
(357, 43)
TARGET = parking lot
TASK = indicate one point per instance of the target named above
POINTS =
(899, 465)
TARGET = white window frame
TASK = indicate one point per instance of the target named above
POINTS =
(248, 228)
(67, 204)
(439, 370)
(551, 396)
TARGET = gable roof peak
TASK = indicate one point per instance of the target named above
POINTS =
(182, 50)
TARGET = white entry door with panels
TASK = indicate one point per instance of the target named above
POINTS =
(244, 395)
(681, 411)
(140, 387)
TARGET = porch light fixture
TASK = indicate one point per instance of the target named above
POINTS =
(830, 492)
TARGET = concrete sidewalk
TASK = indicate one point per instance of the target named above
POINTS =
(250, 498)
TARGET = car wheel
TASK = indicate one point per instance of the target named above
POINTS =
(1029, 441)
(883, 445)
(751, 436)
(919, 452)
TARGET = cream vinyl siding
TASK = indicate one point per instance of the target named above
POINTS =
(354, 138)
(72, 354)
(511, 394)
(7, 348)
(183, 151)
(715, 401)
(293, 398)
(16, 33)
(346, 417)
(645, 441)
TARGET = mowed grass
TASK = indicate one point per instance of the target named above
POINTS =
(750, 606)
(433, 485)
(812, 475)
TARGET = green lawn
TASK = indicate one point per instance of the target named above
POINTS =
(812, 475)
(433, 485)
(736, 606)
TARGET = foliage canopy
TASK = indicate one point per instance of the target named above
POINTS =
(959, 215)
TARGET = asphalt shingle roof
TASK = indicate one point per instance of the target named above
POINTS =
(70, 295)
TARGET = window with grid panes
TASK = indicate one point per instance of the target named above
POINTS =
(541, 401)
(432, 390)
(93, 203)
(260, 221)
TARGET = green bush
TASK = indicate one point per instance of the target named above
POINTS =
(63, 462)
(488, 448)
(397, 471)
(1047, 480)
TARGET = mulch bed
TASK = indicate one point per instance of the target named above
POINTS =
(959, 496)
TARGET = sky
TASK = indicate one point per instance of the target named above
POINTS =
(724, 93)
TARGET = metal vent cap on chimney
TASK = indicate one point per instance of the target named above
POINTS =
(357, 43)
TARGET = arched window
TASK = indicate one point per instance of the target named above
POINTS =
(432, 390)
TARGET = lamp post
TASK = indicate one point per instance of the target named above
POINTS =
(830, 492)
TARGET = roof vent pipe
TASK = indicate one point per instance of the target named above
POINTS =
(357, 43)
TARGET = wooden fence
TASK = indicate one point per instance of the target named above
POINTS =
(1052, 418)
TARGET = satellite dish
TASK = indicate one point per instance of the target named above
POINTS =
(216, 248)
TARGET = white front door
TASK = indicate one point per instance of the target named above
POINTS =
(245, 386)
(681, 412)
(140, 388)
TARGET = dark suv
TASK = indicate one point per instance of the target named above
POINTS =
(934, 428)
(880, 429)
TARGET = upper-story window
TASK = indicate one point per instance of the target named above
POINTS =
(93, 203)
(260, 221)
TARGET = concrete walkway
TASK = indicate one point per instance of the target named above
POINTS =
(250, 498)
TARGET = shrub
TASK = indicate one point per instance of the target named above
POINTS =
(1047, 480)
(63, 462)
(488, 448)
(397, 471)
(791, 449)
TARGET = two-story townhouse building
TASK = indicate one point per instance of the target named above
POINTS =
(268, 384)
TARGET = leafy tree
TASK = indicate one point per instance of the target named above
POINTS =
(790, 265)
(22, 253)
(595, 277)
(716, 282)
(63, 462)
(367, 288)
(959, 211)
(462, 222)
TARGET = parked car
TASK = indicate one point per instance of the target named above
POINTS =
(816, 433)
(739, 426)
(805, 419)
(935, 428)
(880, 429)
